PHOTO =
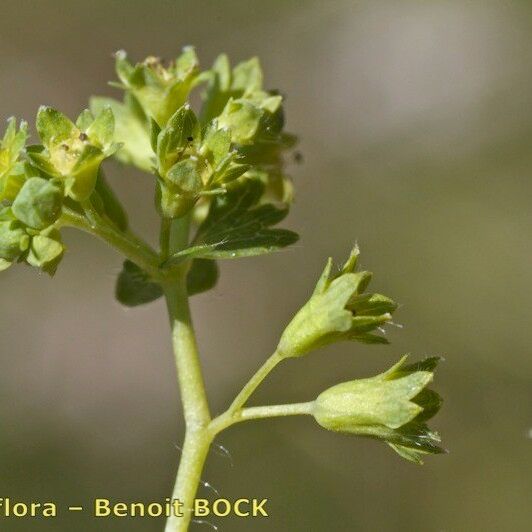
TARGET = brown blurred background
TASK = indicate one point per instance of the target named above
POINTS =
(416, 126)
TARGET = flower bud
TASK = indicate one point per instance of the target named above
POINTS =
(392, 406)
(337, 310)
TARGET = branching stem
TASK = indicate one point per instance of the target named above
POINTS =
(255, 382)
(130, 245)
(200, 428)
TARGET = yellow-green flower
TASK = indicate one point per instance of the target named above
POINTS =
(339, 309)
(392, 406)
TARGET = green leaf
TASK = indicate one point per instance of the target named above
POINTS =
(236, 227)
(38, 204)
(202, 276)
(131, 131)
(134, 286)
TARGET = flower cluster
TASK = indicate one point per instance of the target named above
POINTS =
(31, 205)
(37, 180)
(236, 136)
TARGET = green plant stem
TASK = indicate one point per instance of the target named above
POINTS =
(166, 227)
(254, 382)
(194, 453)
(198, 436)
(259, 412)
(200, 429)
(190, 376)
(126, 243)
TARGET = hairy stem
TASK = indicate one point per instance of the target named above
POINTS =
(254, 382)
(166, 226)
(195, 449)
(259, 412)
(128, 244)
(198, 437)
(192, 387)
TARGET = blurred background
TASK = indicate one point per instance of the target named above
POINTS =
(415, 121)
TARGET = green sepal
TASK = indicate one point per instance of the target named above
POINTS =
(216, 143)
(40, 158)
(245, 80)
(131, 131)
(247, 77)
(155, 130)
(81, 182)
(13, 240)
(217, 92)
(4, 264)
(38, 204)
(12, 169)
(182, 129)
(53, 126)
(84, 120)
(101, 130)
(243, 119)
(186, 176)
(46, 251)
